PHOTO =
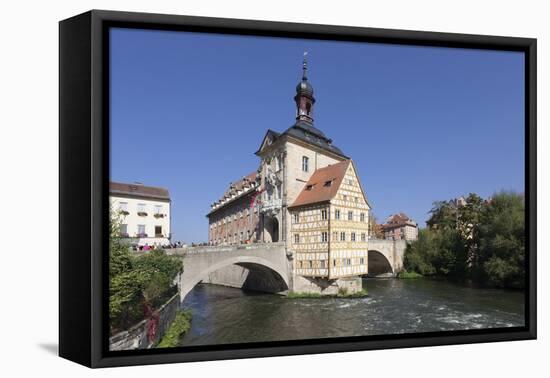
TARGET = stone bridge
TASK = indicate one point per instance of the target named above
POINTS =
(261, 267)
(266, 267)
(386, 257)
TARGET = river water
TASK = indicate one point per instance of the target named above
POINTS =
(224, 315)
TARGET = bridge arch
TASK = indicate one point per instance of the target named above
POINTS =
(262, 273)
(378, 264)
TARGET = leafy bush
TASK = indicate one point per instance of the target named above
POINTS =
(409, 275)
(179, 327)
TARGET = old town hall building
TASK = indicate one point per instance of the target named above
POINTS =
(305, 194)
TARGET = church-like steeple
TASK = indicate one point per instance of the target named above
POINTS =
(304, 96)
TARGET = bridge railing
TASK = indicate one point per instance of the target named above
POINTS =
(223, 248)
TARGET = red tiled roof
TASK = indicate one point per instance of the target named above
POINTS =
(239, 184)
(397, 220)
(138, 190)
(316, 191)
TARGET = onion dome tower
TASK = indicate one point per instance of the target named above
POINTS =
(304, 97)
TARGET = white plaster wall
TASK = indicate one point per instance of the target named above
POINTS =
(132, 220)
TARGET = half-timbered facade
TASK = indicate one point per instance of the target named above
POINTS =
(330, 218)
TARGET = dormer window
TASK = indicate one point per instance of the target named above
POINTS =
(310, 186)
(328, 183)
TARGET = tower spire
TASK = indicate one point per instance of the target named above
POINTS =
(304, 67)
(304, 96)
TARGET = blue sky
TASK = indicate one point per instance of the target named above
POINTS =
(422, 124)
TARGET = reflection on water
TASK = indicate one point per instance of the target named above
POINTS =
(226, 315)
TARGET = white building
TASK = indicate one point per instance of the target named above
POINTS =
(144, 211)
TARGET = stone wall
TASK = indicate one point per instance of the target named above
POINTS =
(324, 286)
(136, 336)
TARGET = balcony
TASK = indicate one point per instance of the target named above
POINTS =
(158, 215)
(142, 213)
(271, 206)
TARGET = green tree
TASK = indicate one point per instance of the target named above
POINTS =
(374, 228)
(443, 215)
(482, 240)
(136, 283)
(417, 255)
(502, 241)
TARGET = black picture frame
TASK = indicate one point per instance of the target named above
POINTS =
(84, 177)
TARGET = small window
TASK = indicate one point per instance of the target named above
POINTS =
(353, 236)
(123, 230)
(141, 229)
(123, 207)
(310, 264)
(324, 214)
(296, 218)
(362, 261)
(334, 262)
(362, 217)
(324, 236)
(305, 163)
(328, 183)
(336, 214)
(141, 207)
(296, 238)
(158, 209)
(350, 215)
(335, 236)
(309, 187)
(323, 264)
(300, 264)
(342, 236)
(363, 237)
(158, 231)
(344, 197)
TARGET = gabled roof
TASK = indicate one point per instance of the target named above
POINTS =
(138, 190)
(269, 138)
(398, 220)
(316, 191)
(237, 189)
(305, 132)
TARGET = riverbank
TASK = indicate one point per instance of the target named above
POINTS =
(177, 329)
(409, 275)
